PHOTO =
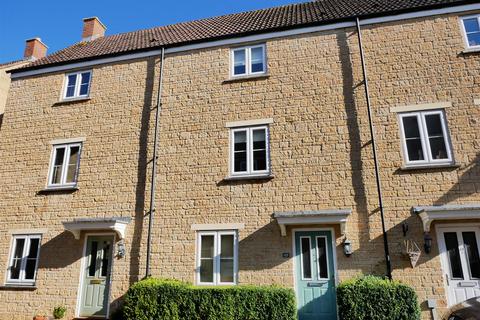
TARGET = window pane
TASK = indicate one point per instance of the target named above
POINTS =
(471, 25)
(32, 254)
(72, 164)
(57, 165)
(474, 39)
(206, 270)
(259, 139)
(434, 125)
(93, 259)
(453, 254)
(306, 259)
(322, 258)
(257, 59)
(31, 259)
(206, 258)
(105, 257)
(84, 83)
(415, 150)
(71, 81)
(410, 125)
(413, 139)
(226, 250)
(259, 150)
(470, 241)
(226, 270)
(240, 151)
(207, 247)
(436, 136)
(239, 63)
(17, 259)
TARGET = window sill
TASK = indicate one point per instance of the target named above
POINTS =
(16, 287)
(430, 167)
(251, 177)
(71, 101)
(471, 50)
(59, 189)
(247, 78)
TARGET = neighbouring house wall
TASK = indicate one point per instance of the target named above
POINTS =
(4, 86)
(320, 156)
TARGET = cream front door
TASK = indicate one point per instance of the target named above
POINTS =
(459, 250)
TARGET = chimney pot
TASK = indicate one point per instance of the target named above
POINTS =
(34, 49)
(93, 28)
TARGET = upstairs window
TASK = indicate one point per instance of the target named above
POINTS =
(248, 61)
(217, 257)
(64, 165)
(250, 151)
(471, 29)
(425, 138)
(23, 261)
(77, 85)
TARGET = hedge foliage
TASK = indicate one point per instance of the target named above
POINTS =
(172, 300)
(375, 298)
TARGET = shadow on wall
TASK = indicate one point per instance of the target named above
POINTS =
(262, 249)
(63, 245)
(356, 148)
(465, 185)
(140, 215)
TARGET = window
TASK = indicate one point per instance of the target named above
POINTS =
(249, 151)
(77, 85)
(425, 138)
(217, 257)
(471, 29)
(23, 263)
(248, 61)
(64, 165)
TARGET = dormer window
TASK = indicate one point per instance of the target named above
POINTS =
(248, 61)
(77, 85)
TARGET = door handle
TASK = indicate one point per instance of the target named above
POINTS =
(447, 278)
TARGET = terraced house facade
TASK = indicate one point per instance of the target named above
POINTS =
(264, 164)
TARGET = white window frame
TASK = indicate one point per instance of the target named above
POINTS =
(250, 171)
(464, 30)
(427, 153)
(248, 61)
(26, 249)
(78, 81)
(216, 257)
(66, 157)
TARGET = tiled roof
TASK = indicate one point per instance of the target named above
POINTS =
(240, 24)
(8, 64)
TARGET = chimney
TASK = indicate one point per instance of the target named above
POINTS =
(93, 28)
(35, 49)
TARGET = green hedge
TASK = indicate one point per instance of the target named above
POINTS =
(375, 298)
(172, 300)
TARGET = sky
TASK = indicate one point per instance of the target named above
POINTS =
(59, 22)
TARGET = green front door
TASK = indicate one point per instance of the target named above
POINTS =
(315, 275)
(96, 276)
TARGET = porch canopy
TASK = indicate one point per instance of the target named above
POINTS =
(289, 218)
(429, 214)
(117, 224)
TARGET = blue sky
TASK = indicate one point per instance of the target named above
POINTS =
(59, 23)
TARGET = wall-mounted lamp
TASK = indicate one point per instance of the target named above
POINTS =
(428, 242)
(121, 251)
(347, 247)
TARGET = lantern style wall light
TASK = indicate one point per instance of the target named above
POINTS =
(428, 242)
(347, 247)
(121, 251)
